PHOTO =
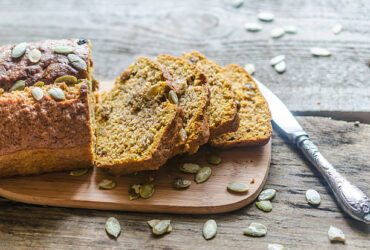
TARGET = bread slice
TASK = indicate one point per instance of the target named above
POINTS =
(193, 99)
(222, 112)
(137, 125)
(255, 118)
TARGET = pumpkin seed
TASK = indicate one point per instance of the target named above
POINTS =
(134, 192)
(161, 227)
(183, 134)
(253, 27)
(79, 172)
(203, 174)
(2, 91)
(280, 67)
(275, 247)
(213, 158)
(34, 55)
(357, 123)
(250, 68)
(277, 33)
(181, 183)
(39, 84)
(337, 28)
(172, 96)
(64, 49)
(146, 191)
(67, 79)
(18, 85)
(189, 168)
(113, 227)
(37, 93)
(320, 52)
(335, 234)
(237, 187)
(290, 29)
(152, 223)
(237, 3)
(18, 50)
(275, 60)
(265, 206)
(313, 197)
(77, 62)
(255, 229)
(209, 229)
(267, 194)
(57, 94)
(107, 184)
(153, 91)
(265, 16)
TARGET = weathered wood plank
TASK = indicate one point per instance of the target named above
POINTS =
(292, 222)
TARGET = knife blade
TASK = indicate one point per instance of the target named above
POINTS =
(350, 198)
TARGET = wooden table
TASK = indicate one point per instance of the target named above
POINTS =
(336, 86)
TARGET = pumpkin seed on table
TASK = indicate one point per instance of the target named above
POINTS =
(67, 79)
(134, 192)
(237, 3)
(237, 187)
(203, 174)
(161, 227)
(64, 49)
(146, 191)
(113, 227)
(275, 247)
(277, 59)
(37, 93)
(280, 67)
(267, 194)
(181, 183)
(213, 158)
(255, 229)
(79, 172)
(57, 94)
(107, 184)
(209, 229)
(190, 168)
(77, 62)
(320, 52)
(337, 28)
(34, 55)
(154, 222)
(335, 234)
(39, 84)
(277, 33)
(290, 29)
(313, 197)
(253, 27)
(265, 206)
(172, 96)
(18, 85)
(250, 68)
(18, 50)
(265, 16)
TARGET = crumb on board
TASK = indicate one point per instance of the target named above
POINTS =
(252, 181)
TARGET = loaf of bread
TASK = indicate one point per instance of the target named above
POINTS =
(137, 121)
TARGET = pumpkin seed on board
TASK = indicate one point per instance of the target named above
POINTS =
(237, 187)
(250, 68)
(37, 93)
(64, 49)
(113, 227)
(107, 184)
(280, 67)
(189, 168)
(39, 84)
(203, 174)
(134, 192)
(146, 191)
(277, 33)
(18, 50)
(77, 62)
(267, 194)
(154, 222)
(237, 3)
(253, 27)
(290, 29)
(313, 197)
(337, 28)
(265, 16)
(335, 234)
(255, 229)
(79, 172)
(275, 247)
(34, 55)
(67, 79)
(320, 52)
(276, 59)
(213, 158)
(172, 96)
(161, 227)
(57, 94)
(265, 206)
(18, 85)
(209, 229)
(181, 183)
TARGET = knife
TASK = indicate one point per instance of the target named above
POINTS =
(350, 198)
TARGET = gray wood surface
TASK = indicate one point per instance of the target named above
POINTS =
(292, 222)
(123, 30)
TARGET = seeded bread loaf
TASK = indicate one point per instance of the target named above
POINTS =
(255, 119)
(46, 128)
(222, 112)
(193, 99)
(137, 126)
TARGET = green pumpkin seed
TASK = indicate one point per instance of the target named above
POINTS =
(275, 247)
(34, 55)
(172, 96)
(113, 227)
(161, 227)
(264, 205)
(152, 223)
(209, 229)
(267, 194)
(107, 184)
(39, 84)
(203, 174)
(255, 229)
(181, 183)
(146, 191)
(64, 49)
(66, 79)
(18, 85)
(79, 172)
(153, 91)
(213, 158)
(2, 91)
(313, 197)
(77, 62)
(57, 94)
(335, 234)
(237, 187)
(37, 93)
(134, 192)
(19, 50)
(189, 168)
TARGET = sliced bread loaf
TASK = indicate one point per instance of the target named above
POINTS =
(137, 125)
(222, 111)
(255, 118)
(193, 99)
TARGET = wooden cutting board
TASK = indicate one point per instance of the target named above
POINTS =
(247, 165)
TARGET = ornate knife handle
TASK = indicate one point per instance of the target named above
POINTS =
(350, 198)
